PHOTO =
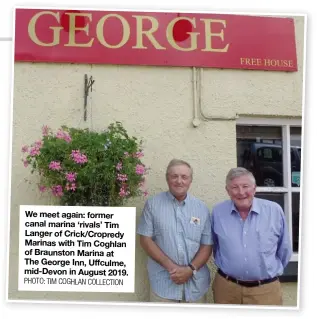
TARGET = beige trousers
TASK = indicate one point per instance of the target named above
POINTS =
(228, 292)
(155, 298)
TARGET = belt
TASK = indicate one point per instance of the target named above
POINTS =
(247, 283)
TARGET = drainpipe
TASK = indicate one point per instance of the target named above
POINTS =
(196, 121)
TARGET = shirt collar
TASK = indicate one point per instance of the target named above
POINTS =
(171, 197)
(254, 208)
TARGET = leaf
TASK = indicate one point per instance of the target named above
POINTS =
(97, 180)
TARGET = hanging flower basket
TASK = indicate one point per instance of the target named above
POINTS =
(87, 168)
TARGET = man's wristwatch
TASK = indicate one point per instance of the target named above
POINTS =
(193, 269)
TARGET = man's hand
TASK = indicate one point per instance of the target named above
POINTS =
(156, 253)
(180, 274)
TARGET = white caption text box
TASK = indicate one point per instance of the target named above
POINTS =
(76, 248)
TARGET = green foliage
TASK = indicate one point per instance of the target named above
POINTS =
(87, 168)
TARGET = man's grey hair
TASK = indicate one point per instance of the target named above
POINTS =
(176, 162)
(237, 172)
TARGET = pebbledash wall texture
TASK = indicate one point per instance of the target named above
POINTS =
(153, 103)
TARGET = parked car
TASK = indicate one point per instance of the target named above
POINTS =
(265, 162)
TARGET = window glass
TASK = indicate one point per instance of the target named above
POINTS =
(259, 149)
(296, 143)
(274, 197)
(295, 220)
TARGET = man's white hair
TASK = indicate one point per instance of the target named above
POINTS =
(176, 162)
(237, 172)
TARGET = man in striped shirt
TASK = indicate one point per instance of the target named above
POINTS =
(175, 232)
(251, 244)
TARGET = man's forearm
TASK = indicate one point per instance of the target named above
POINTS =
(156, 253)
(202, 256)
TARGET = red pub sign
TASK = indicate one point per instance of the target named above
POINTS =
(155, 38)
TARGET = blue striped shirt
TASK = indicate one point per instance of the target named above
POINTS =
(172, 227)
(254, 249)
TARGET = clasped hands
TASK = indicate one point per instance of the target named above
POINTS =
(180, 274)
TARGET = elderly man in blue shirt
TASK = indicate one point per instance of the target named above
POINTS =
(175, 232)
(251, 245)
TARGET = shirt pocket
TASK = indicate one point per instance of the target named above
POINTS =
(194, 232)
(267, 241)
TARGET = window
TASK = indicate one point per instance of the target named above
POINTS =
(271, 150)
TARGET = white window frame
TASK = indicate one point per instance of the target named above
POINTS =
(285, 124)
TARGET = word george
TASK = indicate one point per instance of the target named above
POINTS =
(105, 23)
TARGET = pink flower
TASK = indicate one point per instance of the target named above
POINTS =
(71, 177)
(42, 188)
(78, 157)
(126, 154)
(123, 192)
(38, 144)
(122, 177)
(119, 166)
(25, 148)
(55, 166)
(71, 187)
(25, 163)
(139, 169)
(67, 138)
(34, 151)
(57, 190)
(145, 193)
(45, 130)
(138, 155)
(63, 135)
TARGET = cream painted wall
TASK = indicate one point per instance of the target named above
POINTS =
(153, 103)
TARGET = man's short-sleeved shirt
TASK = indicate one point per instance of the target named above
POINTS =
(178, 229)
(254, 249)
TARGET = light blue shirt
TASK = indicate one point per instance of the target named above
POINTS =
(254, 249)
(172, 227)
